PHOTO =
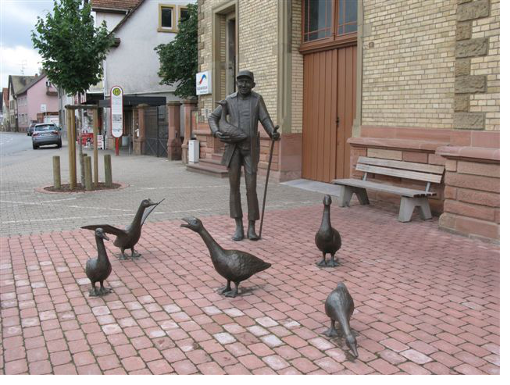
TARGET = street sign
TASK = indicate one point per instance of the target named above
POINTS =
(203, 83)
(117, 107)
(43, 107)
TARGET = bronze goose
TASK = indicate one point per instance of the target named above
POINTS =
(129, 237)
(233, 265)
(339, 308)
(98, 269)
(327, 239)
(234, 133)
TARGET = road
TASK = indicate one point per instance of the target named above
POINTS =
(25, 210)
(15, 147)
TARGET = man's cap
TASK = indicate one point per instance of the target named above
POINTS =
(245, 73)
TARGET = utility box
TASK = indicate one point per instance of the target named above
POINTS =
(193, 150)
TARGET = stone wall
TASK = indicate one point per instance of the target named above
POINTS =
(257, 47)
(472, 191)
(477, 71)
(409, 63)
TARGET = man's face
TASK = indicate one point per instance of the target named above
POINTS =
(244, 85)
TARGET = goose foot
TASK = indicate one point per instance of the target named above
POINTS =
(105, 290)
(122, 256)
(332, 263)
(224, 290)
(331, 332)
(135, 254)
(321, 263)
(94, 292)
(232, 293)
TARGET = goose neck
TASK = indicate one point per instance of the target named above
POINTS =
(212, 245)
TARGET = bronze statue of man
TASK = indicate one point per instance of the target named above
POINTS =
(245, 109)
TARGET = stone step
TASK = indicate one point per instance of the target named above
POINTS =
(208, 167)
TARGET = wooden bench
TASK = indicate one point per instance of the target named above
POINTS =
(410, 198)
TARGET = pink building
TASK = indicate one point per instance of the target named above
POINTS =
(37, 100)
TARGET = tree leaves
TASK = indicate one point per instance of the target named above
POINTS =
(179, 58)
(72, 48)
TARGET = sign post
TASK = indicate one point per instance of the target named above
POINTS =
(117, 110)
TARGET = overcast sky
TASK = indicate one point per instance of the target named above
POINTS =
(17, 20)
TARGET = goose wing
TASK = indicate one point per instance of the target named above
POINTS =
(244, 264)
(107, 229)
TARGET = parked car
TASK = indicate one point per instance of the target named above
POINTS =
(31, 129)
(46, 133)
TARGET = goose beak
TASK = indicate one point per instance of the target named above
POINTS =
(354, 350)
(105, 237)
(156, 203)
(187, 225)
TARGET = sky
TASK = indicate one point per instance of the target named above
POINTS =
(17, 20)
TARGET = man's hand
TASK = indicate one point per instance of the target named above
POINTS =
(225, 138)
(275, 135)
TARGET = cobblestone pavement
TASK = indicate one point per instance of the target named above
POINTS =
(25, 211)
(427, 302)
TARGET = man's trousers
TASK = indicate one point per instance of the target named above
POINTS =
(242, 157)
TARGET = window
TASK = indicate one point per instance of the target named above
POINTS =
(329, 20)
(317, 19)
(347, 16)
(183, 13)
(166, 18)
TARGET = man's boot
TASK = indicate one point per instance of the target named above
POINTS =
(239, 234)
(252, 235)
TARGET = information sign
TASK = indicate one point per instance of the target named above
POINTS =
(117, 108)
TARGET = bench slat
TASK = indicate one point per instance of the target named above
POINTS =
(399, 173)
(402, 191)
(429, 168)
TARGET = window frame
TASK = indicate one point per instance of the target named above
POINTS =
(179, 9)
(173, 28)
(334, 40)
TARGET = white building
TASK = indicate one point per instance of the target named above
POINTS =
(132, 64)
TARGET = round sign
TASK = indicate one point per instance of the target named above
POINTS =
(117, 111)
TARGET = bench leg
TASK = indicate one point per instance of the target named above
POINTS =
(346, 195)
(362, 196)
(407, 206)
(423, 204)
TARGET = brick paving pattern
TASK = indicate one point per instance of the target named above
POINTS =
(26, 211)
(427, 302)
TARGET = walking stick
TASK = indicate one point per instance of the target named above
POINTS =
(267, 181)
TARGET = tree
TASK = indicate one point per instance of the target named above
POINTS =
(71, 47)
(179, 58)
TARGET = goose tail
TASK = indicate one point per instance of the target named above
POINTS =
(265, 266)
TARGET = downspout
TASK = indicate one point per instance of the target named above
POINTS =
(363, 31)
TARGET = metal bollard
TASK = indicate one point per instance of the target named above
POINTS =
(57, 184)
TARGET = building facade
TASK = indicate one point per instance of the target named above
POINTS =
(37, 102)
(133, 64)
(414, 80)
(16, 87)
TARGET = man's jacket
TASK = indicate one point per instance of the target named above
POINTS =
(258, 112)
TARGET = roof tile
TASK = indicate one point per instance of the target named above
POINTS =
(115, 4)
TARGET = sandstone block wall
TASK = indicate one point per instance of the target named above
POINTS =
(409, 63)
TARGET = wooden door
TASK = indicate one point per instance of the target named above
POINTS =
(329, 109)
